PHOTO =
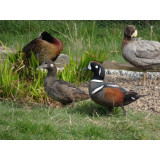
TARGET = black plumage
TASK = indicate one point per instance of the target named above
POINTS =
(106, 94)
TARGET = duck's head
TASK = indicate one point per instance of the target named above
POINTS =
(49, 65)
(130, 31)
(97, 69)
(46, 36)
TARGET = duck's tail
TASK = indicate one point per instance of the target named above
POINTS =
(132, 96)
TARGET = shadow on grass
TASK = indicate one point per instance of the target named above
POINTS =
(85, 108)
(92, 109)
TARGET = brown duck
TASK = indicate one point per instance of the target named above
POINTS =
(60, 90)
(45, 47)
(143, 54)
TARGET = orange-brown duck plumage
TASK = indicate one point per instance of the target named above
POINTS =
(45, 47)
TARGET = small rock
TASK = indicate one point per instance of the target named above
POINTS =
(132, 74)
(4, 51)
(62, 59)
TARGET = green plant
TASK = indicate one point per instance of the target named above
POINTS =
(84, 41)
(19, 78)
(74, 73)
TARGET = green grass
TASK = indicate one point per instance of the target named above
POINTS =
(74, 73)
(19, 81)
(85, 121)
(84, 41)
(77, 36)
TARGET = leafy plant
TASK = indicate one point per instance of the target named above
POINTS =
(19, 78)
(74, 73)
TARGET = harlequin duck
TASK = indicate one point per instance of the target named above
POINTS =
(60, 90)
(106, 94)
(143, 54)
(45, 47)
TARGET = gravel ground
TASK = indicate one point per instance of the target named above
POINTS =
(150, 103)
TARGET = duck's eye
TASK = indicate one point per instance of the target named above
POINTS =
(96, 66)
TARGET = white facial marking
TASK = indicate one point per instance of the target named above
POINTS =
(100, 71)
(89, 66)
(97, 89)
(134, 34)
(96, 66)
(40, 36)
(51, 65)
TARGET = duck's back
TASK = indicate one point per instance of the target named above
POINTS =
(42, 50)
(143, 54)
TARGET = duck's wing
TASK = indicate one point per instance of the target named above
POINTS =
(121, 96)
(142, 54)
(70, 91)
(147, 49)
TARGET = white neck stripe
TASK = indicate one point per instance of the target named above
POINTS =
(97, 89)
(96, 80)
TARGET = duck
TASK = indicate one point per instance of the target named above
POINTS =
(60, 90)
(143, 54)
(45, 47)
(106, 94)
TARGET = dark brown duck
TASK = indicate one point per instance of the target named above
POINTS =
(45, 47)
(60, 90)
(143, 54)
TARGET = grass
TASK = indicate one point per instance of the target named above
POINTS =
(84, 41)
(85, 121)
(78, 36)
(74, 72)
(20, 79)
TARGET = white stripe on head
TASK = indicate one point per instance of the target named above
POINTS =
(97, 89)
(89, 66)
(51, 65)
(100, 71)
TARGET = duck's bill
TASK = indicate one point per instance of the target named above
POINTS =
(42, 66)
(134, 34)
